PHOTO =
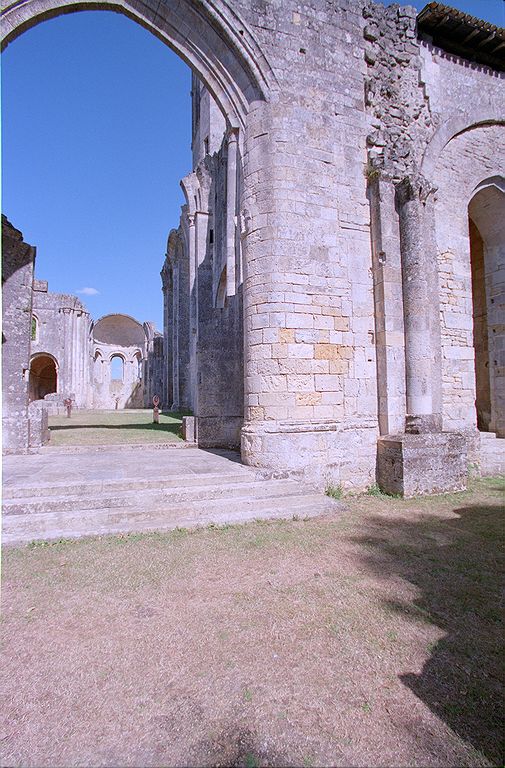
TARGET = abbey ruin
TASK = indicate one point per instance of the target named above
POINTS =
(54, 351)
(334, 291)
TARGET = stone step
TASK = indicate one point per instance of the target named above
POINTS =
(15, 491)
(68, 450)
(84, 522)
(170, 493)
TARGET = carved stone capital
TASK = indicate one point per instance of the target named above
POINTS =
(414, 187)
(232, 135)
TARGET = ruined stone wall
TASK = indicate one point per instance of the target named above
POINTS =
(17, 276)
(220, 401)
(203, 324)
(153, 369)
(125, 392)
(116, 385)
(156, 361)
(220, 396)
(401, 120)
(167, 397)
(208, 123)
(63, 333)
(359, 99)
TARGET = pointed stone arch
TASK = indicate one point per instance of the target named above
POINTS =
(208, 35)
(486, 213)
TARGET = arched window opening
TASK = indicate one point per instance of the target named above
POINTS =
(43, 377)
(35, 329)
(98, 367)
(116, 368)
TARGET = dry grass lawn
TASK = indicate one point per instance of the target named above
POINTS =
(370, 638)
(131, 426)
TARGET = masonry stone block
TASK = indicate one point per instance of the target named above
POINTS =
(413, 465)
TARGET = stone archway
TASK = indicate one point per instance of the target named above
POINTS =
(43, 376)
(223, 53)
(487, 248)
(209, 36)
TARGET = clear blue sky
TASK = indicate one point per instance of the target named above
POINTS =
(96, 136)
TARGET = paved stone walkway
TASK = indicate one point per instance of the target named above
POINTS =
(65, 494)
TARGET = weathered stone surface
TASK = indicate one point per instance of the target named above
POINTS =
(138, 491)
(17, 276)
(413, 465)
(38, 423)
(189, 429)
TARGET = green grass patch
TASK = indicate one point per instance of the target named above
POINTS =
(334, 491)
(129, 426)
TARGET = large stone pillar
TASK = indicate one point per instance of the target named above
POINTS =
(389, 324)
(193, 312)
(231, 214)
(17, 280)
(167, 282)
(420, 308)
(423, 459)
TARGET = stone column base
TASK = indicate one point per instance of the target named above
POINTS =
(415, 465)
(323, 452)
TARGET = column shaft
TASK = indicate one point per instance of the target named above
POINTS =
(420, 308)
(231, 212)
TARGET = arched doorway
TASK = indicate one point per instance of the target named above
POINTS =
(487, 248)
(223, 54)
(43, 376)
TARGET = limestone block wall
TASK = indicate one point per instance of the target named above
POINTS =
(311, 397)
(17, 276)
(63, 324)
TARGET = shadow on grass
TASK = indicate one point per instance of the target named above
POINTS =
(174, 429)
(457, 565)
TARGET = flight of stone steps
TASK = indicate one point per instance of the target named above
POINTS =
(492, 454)
(65, 509)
